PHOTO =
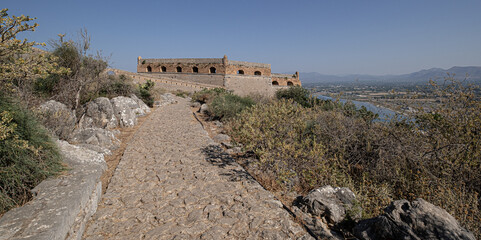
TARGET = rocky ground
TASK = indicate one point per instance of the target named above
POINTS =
(174, 182)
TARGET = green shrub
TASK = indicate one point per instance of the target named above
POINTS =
(227, 106)
(180, 93)
(144, 93)
(46, 86)
(27, 154)
(296, 93)
(117, 86)
(207, 95)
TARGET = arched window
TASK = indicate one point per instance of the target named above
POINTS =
(257, 73)
(289, 83)
(212, 70)
(149, 69)
(240, 72)
(195, 69)
(163, 69)
(179, 69)
(275, 83)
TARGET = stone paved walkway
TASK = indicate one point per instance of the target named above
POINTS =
(173, 182)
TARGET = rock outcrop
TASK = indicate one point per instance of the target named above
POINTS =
(99, 113)
(324, 207)
(57, 118)
(412, 220)
(96, 139)
(141, 104)
(126, 110)
(165, 99)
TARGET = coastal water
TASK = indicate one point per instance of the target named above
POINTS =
(383, 113)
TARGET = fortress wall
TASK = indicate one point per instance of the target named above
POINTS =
(249, 64)
(183, 60)
(286, 79)
(179, 86)
(211, 79)
(187, 67)
(245, 85)
(165, 82)
(248, 69)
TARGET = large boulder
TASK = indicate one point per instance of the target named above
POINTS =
(325, 207)
(412, 220)
(124, 111)
(141, 104)
(332, 204)
(96, 139)
(100, 114)
(58, 118)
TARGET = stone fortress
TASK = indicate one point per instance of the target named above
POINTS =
(241, 77)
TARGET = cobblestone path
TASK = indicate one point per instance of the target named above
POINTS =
(173, 182)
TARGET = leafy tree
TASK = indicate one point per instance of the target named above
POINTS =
(20, 63)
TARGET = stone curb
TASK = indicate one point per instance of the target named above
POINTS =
(61, 206)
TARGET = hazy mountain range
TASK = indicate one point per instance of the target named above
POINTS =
(423, 76)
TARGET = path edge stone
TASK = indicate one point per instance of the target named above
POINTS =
(62, 205)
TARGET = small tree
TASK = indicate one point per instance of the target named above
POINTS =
(85, 76)
(20, 64)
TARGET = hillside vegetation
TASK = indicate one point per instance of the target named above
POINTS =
(301, 143)
(30, 76)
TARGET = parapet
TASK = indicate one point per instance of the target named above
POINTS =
(280, 75)
(249, 64)
(182, 60)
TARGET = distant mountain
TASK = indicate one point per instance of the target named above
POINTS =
(423, 76)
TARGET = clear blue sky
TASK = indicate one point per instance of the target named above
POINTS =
(330, 37)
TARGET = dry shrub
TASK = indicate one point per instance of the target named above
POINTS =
(436, 158)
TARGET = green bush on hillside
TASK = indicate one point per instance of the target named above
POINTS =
(207, 95)
(298, 94)
(144, 93)
(27, 154)
(228, 105)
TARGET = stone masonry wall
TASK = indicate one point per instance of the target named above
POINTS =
(187, 65)
(212, 79)
(286, 79)
(248, 70)
(245, 85)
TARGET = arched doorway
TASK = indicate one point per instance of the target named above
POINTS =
(289, 83)
(275, 83)
(240, 71)
(179, 69)
(257, 73)
(149, 69)
(212, 70)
